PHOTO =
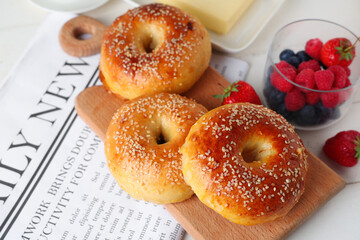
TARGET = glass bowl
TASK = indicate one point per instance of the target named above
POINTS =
(316, 112)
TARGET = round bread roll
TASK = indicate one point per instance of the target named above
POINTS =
(143, 143)
(245, 162)
(153, 48)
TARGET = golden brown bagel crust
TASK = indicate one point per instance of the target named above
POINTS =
(246, 162)
(143, 168)
(153, 48)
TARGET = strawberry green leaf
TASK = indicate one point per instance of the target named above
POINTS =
(357, 147)
(344, 50)
(219, 96)
(234, 87)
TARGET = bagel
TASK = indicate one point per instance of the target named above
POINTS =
(246, 162)
(143, 142)
(153, 48)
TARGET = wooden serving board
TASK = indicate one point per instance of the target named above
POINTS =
(96, 107)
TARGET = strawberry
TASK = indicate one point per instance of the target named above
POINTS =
(344, 148)
(239, 92)
(337, 51)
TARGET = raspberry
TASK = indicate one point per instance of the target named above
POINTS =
(344, 95)
(348, 71)
(312, 98)
(347, 83)
(306, 78)
(313, 48)
(324, 79)
(339, 74)
(294, 100)
(331, 99)
(312, 64)
(281, 83)
(283, 64)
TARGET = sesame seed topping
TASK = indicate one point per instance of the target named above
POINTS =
(152, 46)
(135, 132)
(247, 156)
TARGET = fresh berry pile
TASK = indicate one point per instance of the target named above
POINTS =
(320, 67)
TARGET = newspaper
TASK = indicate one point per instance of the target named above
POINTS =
(54, 180)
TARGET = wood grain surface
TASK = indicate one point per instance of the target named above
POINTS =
(72, 32)
(96, 106)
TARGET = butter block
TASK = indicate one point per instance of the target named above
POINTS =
(217, 15)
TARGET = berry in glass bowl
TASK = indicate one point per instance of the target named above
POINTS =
(312, 72)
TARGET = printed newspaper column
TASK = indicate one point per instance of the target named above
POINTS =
(54, 182)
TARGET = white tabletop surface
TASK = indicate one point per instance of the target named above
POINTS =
(340, 217)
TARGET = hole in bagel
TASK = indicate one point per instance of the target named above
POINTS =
(150, 37)
(161, 139)
(256, 150)
(82, 33)
(149, 44)
(161, 130)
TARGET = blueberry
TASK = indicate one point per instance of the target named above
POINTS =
(286, 54)
(274, 97)
(336, 113)
(307, 116)
(302, 55)
(308, 111)
(281, 109)
(267, 94)
(268, 87)
(294, 60)
(323, 113)
(268, 76)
